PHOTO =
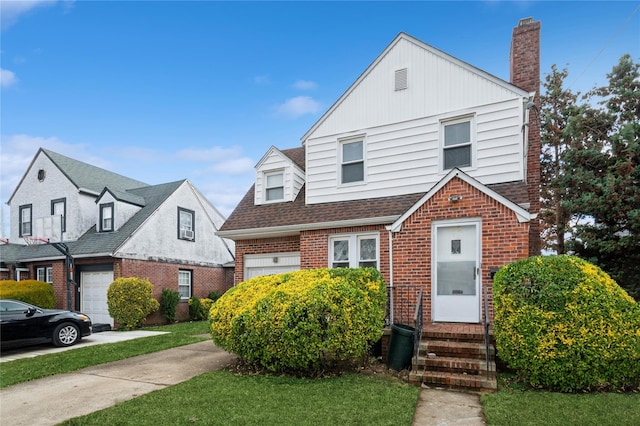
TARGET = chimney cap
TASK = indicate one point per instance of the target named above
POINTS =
(525, 21)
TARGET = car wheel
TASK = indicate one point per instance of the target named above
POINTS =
(66, 334)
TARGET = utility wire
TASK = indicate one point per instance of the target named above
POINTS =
(624, 24)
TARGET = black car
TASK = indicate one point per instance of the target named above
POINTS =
(24, 324)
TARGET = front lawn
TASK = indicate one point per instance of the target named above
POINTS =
(518, 408)
(225, 398)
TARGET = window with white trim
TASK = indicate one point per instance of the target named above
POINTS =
(352, 161)
(274, 186)
(106, 217)
(59, 208)
(184, 283)
(186, 224)
(457, 143)
(25, 220)
(45, 274)
(353, 251)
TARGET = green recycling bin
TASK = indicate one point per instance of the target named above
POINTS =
(400, 347)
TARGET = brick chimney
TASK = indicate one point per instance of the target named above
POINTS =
(525, 73)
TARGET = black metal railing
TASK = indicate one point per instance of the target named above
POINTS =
(417, 321)
(486, 327)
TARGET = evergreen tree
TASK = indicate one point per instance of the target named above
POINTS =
(558, 105)
(602, 176)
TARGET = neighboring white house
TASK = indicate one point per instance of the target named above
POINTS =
(114, 227)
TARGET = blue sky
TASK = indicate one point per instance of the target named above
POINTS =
(161, 91)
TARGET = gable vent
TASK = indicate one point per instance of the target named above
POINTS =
(401, 79)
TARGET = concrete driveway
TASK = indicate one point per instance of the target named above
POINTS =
(54, 399)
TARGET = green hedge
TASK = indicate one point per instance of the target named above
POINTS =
(304, 321)
(34, 292)
(169, 304)
(564, 324)
(130, 301)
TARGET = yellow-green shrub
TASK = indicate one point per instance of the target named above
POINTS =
(303, 321)
(35, 292)
(130, 300)
(199, 308)
(564, 324)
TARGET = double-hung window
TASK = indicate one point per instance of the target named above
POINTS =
(59, 209)
(274, 186)
(186, 224)
(353, 251)
(352, 161)
(106, 217)
(25, 220)
(184, 283)
(45, 274)
(457, 143)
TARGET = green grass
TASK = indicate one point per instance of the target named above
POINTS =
(519, 405)
(22, 370)
(224, 398)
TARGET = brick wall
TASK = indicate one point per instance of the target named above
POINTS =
(165, 275)
(504, 240)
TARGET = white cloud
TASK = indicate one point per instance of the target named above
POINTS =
(11, 11)
(305, 85)
(298, 106)
(7, 78)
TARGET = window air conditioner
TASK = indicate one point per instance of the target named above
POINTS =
(187, 234)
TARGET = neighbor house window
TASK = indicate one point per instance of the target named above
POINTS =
(274, 186)
(352, 166)
(25, 220)
(59, 209)
(106, 217)
(457, 143)
(184, 283)
(353, 251)
(45, 273)
(186, 224)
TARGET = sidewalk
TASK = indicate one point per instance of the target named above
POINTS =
(51, 400)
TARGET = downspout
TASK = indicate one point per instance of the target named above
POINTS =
(390, 276)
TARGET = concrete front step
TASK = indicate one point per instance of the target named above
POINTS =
(442, 348)
(454, 380)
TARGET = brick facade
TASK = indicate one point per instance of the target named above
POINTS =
(504, 240)
(161, 275)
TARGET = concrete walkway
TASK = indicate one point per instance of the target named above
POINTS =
(51, 400)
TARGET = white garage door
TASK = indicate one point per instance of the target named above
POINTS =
(270, 264)
(93, 300)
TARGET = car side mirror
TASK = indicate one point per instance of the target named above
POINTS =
(31, 311)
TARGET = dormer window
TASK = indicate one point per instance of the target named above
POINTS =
(106, 217)
(274, 186)
(352, 164)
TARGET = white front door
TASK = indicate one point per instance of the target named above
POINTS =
(456, 277)
(93, 300)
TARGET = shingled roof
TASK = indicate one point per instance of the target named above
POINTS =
(249, 220)
(93, 243)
